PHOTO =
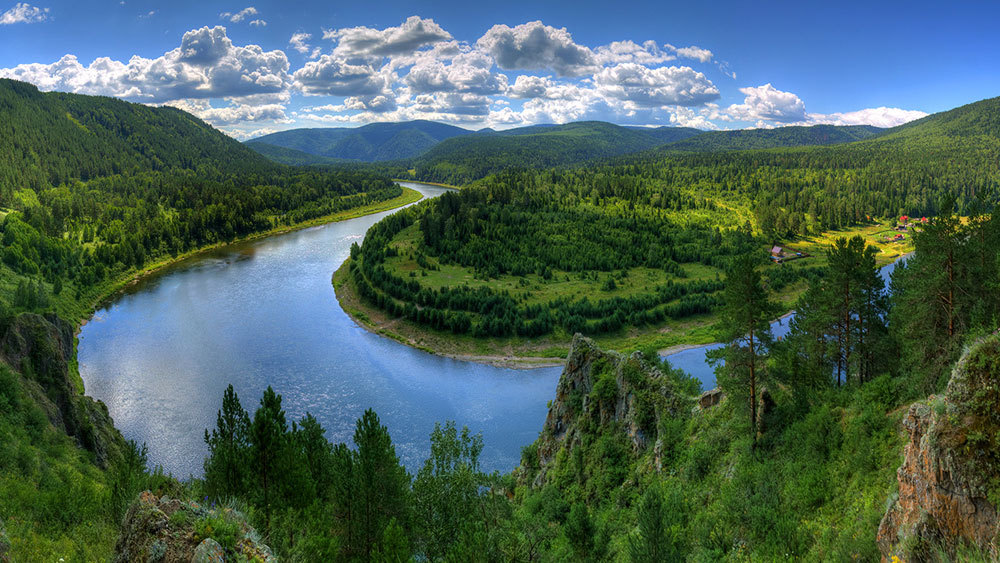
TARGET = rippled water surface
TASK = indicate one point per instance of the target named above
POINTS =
(264, 313)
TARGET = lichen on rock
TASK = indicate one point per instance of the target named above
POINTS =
(173, 530)
(950, 478)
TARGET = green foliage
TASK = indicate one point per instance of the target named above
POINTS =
(796, 136)
(659, 536)
(519, 224)
(744, 330)
(372, 143)
(462, 159)
(128, 478)
(221, 526)
(227, 463)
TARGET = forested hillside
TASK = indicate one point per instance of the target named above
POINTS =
(795, 136)
(93, 191)
(463, 159)
(49, 139)
(370, 143)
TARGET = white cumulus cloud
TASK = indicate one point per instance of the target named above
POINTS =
(205, 65)
(648, 87)
(536, 46)
(239, 16)
(692, 52)
(367, 43)
(767, 103)
(879, 117)
(24, 13)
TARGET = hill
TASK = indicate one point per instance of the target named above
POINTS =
(980, 118)
(746, 139)
(51, 138)
(371, 143)
(462, 159)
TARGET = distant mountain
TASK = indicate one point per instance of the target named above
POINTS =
(371, 143)
(462, 159)
(51, 138)
(796, 136)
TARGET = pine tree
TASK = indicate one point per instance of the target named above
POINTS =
(267, 433)
(745, 331)
(228, 446)
(380, 485)
(656, 538)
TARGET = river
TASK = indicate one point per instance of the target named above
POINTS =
(264, 313)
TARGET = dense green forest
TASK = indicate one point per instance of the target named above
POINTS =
(463, 159)
(92, 191)
(371, 143)
(94, 188)
(795, 463)
(794, 136)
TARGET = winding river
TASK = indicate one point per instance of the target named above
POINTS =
(264, 313)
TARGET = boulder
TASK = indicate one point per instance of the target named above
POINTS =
(170, 530)
(209, 551)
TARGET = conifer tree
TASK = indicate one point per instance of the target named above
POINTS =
(228, 447)
(745, 331)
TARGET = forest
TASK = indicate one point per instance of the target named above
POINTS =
(797, 462)
(731, 482)
(92, 189)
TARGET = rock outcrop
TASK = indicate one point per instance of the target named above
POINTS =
(949, 483)
(172, 530)
(710, 398)
(601, 391)
(41, 349)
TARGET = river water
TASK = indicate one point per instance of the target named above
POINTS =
(264, 313)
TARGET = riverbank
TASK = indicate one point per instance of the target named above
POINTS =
(510, 352)
(103, 294)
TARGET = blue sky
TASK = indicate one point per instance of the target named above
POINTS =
(255, 67)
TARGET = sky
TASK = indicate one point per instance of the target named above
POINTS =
(254, 67)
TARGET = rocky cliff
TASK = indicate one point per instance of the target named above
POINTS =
(949, 483)
(602, 394)
(40, 348)
(171, 530)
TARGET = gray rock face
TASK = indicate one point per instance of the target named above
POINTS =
(710, 398)
(603, 389)
(41, 348)
(948, 483)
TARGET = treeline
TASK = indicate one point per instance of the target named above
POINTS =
(85, 233)
(548, 224)
(849, 328)
(316, 501)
